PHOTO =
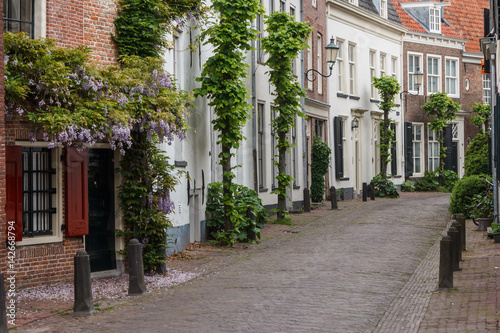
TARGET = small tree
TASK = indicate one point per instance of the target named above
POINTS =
(223, 82)
(285, 40)
(443, 110)
(387, 87)
(482, 118)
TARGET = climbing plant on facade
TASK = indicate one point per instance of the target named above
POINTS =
(285, 39)
(222, 81)
(482, 117)
(319, 167)
(387, 87)
(442, 109)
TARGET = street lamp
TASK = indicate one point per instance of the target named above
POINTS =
(332, 51)
(418, 76)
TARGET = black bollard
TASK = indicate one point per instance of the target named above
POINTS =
(365, 192)
(3, 308)
(445, 266)
(333, 197)
(250, 232)
(83, 305)
(453, 233)
(307, 200)
(372, 191)
(461, 220)
(136, 285)
(459, 241)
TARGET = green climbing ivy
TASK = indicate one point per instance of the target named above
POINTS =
(223, 82)
(387, 87)
(482, 117)
(319, 167)
(285, 39)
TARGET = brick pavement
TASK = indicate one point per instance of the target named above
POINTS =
(368, 267)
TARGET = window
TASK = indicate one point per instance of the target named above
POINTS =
(394, 150)
(320, 63)
(417, 149)
(433, 74)
(451, 75)
(340, 66)
(260, 28)
(376, 147)
(372, 73)
(38, 192)
(282, 6)
(261, 144)
(292, 11)
(394, 67)
(18, 16)
(314, 3)
(413, 67)
(454, 132)
(309, 60)
(338, 138)
(487, 88)
(294, 153)
(318, 129)
(383, 8)
(435, 20)
(352, 68)
(383, 58)
(433, 151)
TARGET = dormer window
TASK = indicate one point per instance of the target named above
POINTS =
(435, 20)
(383, 8)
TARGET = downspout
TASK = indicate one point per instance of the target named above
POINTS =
(254, 125)
(493, 135)
(304, 142)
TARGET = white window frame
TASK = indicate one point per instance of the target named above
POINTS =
(261, 143)
(420, 144)
(292, 11)
(340, 66)
(435, 20)
(383, 64)
(452, 79)
(373, 72)
(487, 88)
(412, 68)
(314, 3)
(282, 6)
(432, 150)
(383, 8)
(351, 58)
(309, 61)
(394, 67)
(319, 57)
(434, 75)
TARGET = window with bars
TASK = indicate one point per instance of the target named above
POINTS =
(18, 16)
(38, 207)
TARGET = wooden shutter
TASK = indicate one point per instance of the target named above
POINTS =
(394, 152)
(408, 149)
(14, 183)
(339, 149)
(77, 211)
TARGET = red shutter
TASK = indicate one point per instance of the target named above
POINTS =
(14, 207)
(77, 211)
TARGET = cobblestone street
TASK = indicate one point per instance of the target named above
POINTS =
(358, 269)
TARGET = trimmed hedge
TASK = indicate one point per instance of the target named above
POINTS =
(464, 191)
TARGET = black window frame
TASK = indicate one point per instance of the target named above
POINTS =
(8, 19)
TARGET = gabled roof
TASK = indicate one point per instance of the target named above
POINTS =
(368, 5)
(411, 22)
(467, 17)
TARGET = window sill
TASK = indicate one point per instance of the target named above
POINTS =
(339, 94)
(39, 240)
(373, 100)
(296, 187)
(344, 178)
(263, 190)
(181, 164)
(356, 98)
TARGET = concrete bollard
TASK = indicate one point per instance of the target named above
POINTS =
(459, 241)
(372, 191)
(307, 200)
(136, 285)
(84, 304)
(333, 197)
(365, 191)
(445, 265)
(453, 233)
(3, 308)
(461, 220)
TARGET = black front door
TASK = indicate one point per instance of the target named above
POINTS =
(100, 243)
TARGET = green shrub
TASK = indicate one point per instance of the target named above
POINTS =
(448, 180)
(408, 186)
(319, 167)
(477, 156)
(384, 188)
(428, 183)
(462, 197)
(245, 227)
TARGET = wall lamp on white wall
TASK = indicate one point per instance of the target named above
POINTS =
(332, 51)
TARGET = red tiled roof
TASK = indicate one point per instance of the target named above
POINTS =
(465, 17)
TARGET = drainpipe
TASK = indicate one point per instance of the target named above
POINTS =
(493, 136)
(302, 101)
(254, 125)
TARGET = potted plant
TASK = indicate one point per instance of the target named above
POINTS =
(482, 211)
(495, 231)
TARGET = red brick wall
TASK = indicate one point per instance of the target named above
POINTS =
(316, 18)
(73, 23)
